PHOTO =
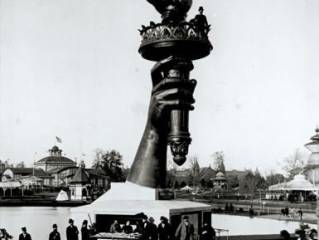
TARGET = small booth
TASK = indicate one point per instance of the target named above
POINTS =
(78, 185)
(127, 201)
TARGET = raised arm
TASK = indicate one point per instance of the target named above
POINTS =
(149, 166)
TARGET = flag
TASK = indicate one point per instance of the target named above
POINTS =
(59, 140)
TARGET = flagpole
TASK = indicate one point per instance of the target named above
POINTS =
(34, 156)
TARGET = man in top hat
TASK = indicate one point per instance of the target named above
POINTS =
(72, 231)
(185, 230)
(207, 233)
(152, 228)
(24, 235)
(164, 229)
(85, 234)
(55, 235)
(148, 229)
(144, 228)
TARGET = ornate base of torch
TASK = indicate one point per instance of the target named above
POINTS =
(184, 40)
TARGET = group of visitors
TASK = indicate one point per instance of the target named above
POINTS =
(72, 232)
(163, 231)
(147, 228)
(292, 212)
(4, 235)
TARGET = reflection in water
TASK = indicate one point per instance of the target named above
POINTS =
(241, 225)
(39, 221)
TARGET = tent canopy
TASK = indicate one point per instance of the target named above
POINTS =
(187, 188)
(62, 196)
(299, 183)
(127, 191)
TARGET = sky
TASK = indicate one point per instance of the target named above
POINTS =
(72, 69)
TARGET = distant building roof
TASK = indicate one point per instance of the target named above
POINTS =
(207, 173)
(220, 176)
(90, 171)
(38, 172)
(55, 158)
(80, 176)
(299, 183)
(96, 172)
(58, 170)
(183, 173)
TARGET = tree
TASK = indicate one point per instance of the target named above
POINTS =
(203, 183)
(251, 182)
(7, 164)
(98, 158)
(219, 161)
(20, 165)
(233, 181)
(111, 163)
(274, 178)
(194, 170)
(260, 180)
(294, 164)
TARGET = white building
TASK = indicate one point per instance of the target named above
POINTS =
(312, 168)
(78, 185)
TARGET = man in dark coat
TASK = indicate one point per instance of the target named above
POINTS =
(85, 231)
(127, 228)
(55, 235)
(185, 230)
(72, 231)
(164, 229)
(207, 233)
(152, 228)
(115, 227)
(24, 235)
(145, 226)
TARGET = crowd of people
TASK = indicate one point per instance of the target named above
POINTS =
(164, 231)
(147, 229)
(72, 232)
(4, 235)
(291, 212)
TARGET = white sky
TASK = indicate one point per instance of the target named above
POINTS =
(71, 69)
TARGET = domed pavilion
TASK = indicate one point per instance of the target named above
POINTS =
(220, 180)
(55, 161)
(312, 168)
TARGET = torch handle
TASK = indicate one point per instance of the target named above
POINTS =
(178, 134)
